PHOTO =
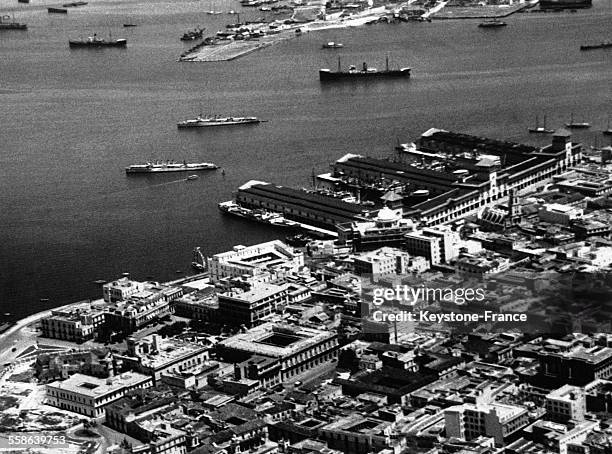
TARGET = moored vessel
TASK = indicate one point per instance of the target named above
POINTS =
(332, 45)
(603, 45)
(577, 124)
(494, 23)
(201, 122)
(94, 41)
(193, 35)
(364, 72)
(12, 25)
(54, 10)
(540, 129)
(170, 166)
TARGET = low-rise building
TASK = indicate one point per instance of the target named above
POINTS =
(252, 306)
(469, 421)
(89, 395)
(154, 355)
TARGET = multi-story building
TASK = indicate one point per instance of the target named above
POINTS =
(76, 325)
(129, 316)
(196, 306)
(121, 289)
(565, 404)
(89, 395)
(486, 172)
(274, 258)
(469, 421)
(388, 261)
(154, 356)
(386, 229)
(357, 434)
(424, 246)
(253, 306)
(292, 351)
(556, 213)
(478, 266)
(577, 366)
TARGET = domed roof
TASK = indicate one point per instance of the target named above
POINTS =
(386, 214)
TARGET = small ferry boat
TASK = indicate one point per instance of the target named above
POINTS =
(12, 25)
(201, 122)
(332, 45)
(494, 23)
(170, 166)
(540, 129)
(192, 177)
(94, 41)
(54, 10)
(577, 125)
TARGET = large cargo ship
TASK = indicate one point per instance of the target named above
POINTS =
(170, 166)
(94, 41)
(201, 122)
(6, 23)
(364, 72)
(565, 4)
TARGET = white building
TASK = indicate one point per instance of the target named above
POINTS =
(567, 403)
(89, 395)
(556, 213)
(273, 257)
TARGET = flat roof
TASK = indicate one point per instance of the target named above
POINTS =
(259, 340)
(94, 387)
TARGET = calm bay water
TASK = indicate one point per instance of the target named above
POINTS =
(72, 120)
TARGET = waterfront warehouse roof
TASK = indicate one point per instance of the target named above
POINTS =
(306, 199)
(497, 147)
(400, 170)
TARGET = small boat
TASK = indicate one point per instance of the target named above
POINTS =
(5, 25)
(73, 4)
(332, 45)
(100, 282)
(23, 1)
(576, 125)
(214, 13)
(193, 35)
(492, 23)
(232, 12)
(603, 45)
(192, 177)
(57, 10)
(540, 129)
(199, 261)
(607, 132)
(129, 25)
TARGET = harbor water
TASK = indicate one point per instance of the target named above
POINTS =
(72, 120)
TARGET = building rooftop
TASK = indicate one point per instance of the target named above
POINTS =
(96, 387)
(274, 340)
